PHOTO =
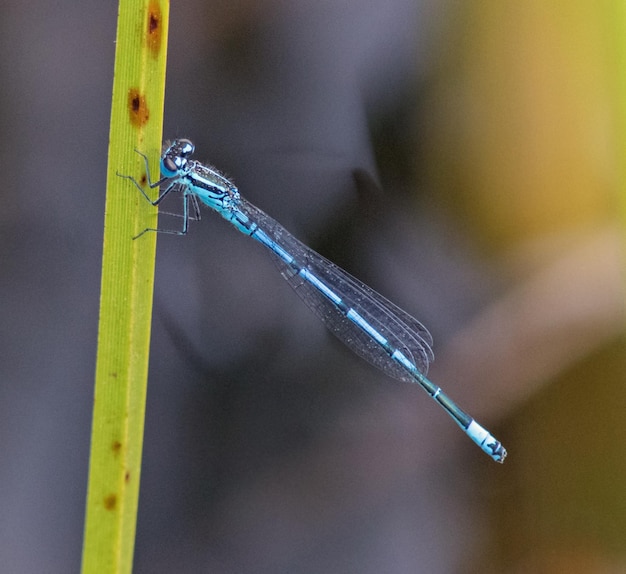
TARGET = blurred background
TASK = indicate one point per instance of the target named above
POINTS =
(463, 158)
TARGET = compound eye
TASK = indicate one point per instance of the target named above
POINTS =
(185, 147)
(168, 166)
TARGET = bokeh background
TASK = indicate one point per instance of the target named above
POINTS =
(464, 158)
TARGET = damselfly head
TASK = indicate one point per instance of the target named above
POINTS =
(174, 158)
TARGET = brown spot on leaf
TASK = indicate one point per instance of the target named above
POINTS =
(154, 30)
(110, 501)
(137, 108)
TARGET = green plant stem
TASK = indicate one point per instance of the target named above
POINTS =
(126, 291)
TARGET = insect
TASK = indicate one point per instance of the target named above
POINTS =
(368, 323)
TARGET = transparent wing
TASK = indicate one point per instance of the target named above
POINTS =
(403, 332)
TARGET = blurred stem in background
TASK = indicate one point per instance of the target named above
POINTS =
(527, 146)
